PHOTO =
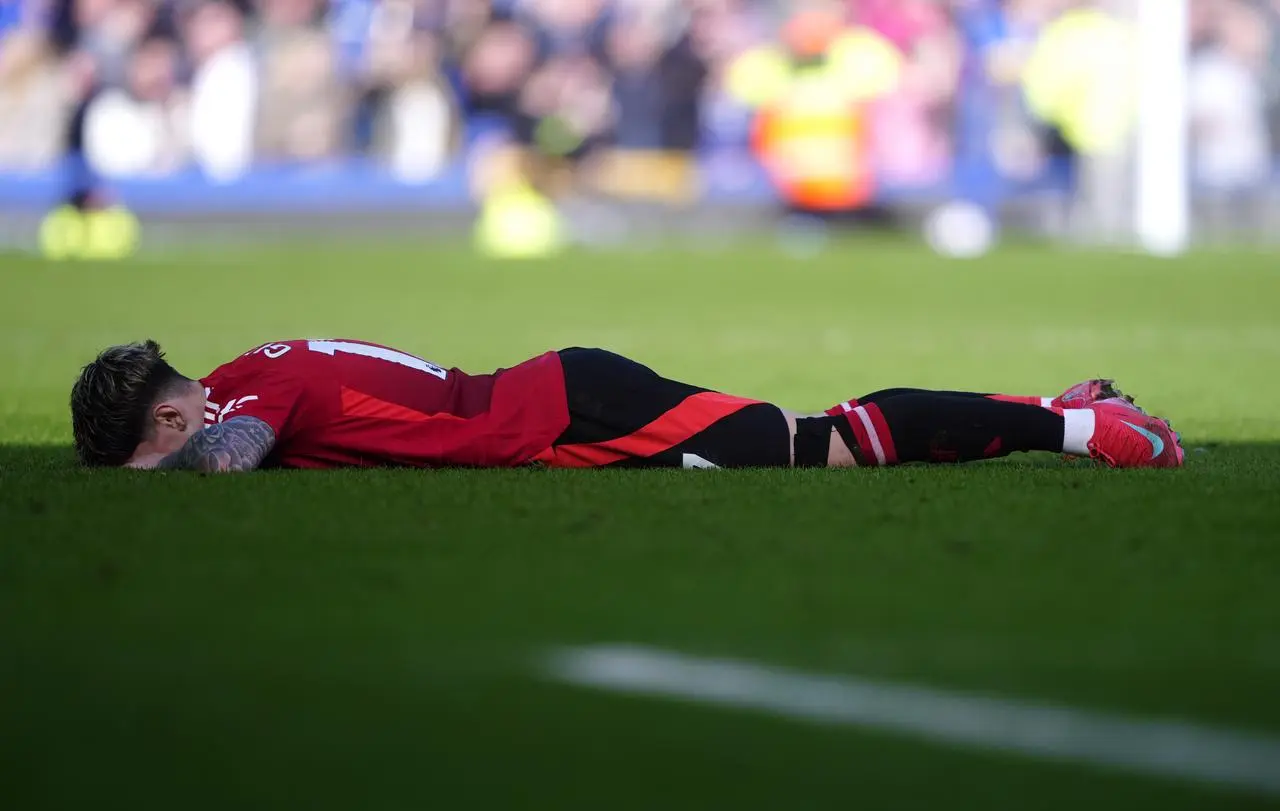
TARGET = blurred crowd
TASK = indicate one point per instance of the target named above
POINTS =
(147, 87)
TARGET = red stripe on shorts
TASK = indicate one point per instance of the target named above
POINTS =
(695, 414)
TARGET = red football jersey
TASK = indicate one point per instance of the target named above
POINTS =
(337, 403)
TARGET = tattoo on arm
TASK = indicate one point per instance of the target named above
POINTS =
(240, 443)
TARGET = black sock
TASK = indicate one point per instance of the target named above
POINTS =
(944, 427)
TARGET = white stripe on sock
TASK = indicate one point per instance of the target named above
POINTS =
(1077, 429)
(871, 432)
(1046, 402)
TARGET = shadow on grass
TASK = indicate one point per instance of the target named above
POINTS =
(45, 460)
(19, 459)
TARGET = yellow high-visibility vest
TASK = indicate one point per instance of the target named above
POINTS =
(861, 65)
(810, 130)
(1081, 78)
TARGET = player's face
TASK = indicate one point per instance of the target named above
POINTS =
(173, 421)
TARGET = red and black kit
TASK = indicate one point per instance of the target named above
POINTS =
(623, 414)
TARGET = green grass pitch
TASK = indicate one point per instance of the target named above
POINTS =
(367, 640)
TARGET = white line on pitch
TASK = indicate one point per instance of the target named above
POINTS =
(1170, 749)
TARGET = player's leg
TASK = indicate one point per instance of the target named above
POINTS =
(925, 426)
(937, 427)
(624, 414)
(910, 427)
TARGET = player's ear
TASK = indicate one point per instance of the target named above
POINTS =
(167, 415)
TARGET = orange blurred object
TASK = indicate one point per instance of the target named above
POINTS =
(818, 156)
(810, 33)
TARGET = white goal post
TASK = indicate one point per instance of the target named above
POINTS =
(1161, 199)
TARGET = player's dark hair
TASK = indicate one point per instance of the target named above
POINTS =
(111, 402)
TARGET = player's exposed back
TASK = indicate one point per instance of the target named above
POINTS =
(324, 403)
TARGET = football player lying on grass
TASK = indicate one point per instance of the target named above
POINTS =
(339, 403)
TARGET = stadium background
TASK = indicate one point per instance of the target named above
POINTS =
(392, 108)
(380, 639)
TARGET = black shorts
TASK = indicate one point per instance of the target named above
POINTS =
(622, 414)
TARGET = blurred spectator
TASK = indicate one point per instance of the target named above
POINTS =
(1230, 143)
(563, 108)
(632, 98)
(280, 20)
(1271, 10)
(657, 83)
(108, 32)
(224, 90)
(563, 112)
(1002, 38)
(1080, 78)
(496, 66)
(655, 90)
(1228, 116)
(464, 21)
(414, 125)
(302, 106)
(34, 102)
(139, 128)
(816, 96)
(565, 27)
(634, 51)
(912, 125)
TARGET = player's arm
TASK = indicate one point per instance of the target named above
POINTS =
(240, 443)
